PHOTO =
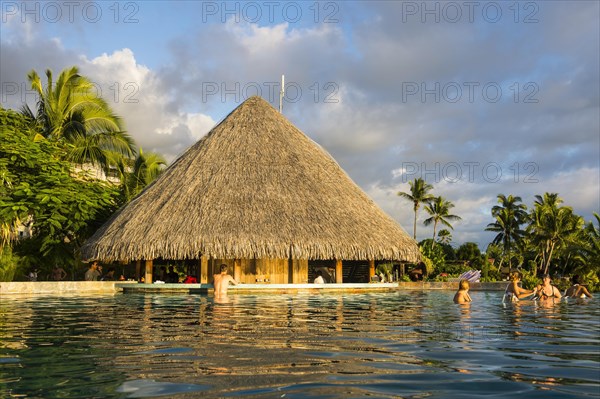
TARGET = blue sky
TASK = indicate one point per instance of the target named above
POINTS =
(480, 98)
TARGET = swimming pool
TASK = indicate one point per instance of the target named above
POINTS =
(401, 344)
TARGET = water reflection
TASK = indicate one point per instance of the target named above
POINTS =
(383, 345)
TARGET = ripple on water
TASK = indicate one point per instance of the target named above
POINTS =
(152, 388)
(297, 346)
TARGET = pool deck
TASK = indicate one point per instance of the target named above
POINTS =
(112, 287)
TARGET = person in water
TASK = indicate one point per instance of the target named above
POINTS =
(319, 279)
(513, 291)
(546, 291)
(462, 295)
(577, 290)
(221, 282)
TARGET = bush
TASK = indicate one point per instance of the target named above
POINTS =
(529, 280)
(435, 257)
(488, 279)
(454, 268)
(562, 283)
(386, 270)
(9, 264)
(429, 267)
(490, 273)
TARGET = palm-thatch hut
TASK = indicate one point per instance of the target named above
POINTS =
(259, 195)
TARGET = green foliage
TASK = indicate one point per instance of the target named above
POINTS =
(468, 251)
(435, 257)
(493, 251)
(587, 251)
(449, 252)
(39, 186)
(553, 239)
(70, 109)
(592, 280)
(71, 126)
(454, 268)
(444, 236)
(428, 266)
(386, 269)
(9, 263)
(147, 167)
(491, 273)
(553, 229)
(529, 280)
(439, 209)
(419, 193)
(562, 283)
(509, 216)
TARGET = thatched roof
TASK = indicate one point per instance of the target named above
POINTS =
(254, 187)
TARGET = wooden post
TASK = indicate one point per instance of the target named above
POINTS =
(148, 272)
(138, 270)
(371, 269)
(290, 271)
(338, 272)
(203, 278)
(237, 269)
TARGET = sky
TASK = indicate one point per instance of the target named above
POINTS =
(479, 98)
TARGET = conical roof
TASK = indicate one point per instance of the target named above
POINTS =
(254, 187)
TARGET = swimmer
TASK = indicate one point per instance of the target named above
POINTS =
(513, 292)
(462, 295)
(577, 290)
(547, 291)
(221, 282)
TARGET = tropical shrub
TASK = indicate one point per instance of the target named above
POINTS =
(9, 264)
(435, 255)
(385, 269)
(529, 280)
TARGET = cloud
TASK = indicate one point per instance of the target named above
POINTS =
(133, 90)
(136, 92)
(389, 94)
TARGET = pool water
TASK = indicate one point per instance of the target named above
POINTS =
(379, 345)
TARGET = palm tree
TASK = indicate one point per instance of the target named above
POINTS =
(419, 193)
(509, 215)
(553, 227)
(71, 111)
(588, 255)
(146, 168)
(439, 209)
(444, 236)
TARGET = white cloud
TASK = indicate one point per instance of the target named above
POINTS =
(136, 93)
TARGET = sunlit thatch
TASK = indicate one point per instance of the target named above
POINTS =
(254, 187)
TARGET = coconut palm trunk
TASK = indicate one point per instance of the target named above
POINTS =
(419, 193)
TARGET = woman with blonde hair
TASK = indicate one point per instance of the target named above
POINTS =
(462, 295)
(513, 291)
